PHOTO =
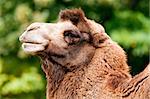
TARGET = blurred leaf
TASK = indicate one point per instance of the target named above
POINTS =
(3, 79)
(28, 82)
(138, 40)
(23, 13)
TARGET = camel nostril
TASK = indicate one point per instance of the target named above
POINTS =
(33, 28)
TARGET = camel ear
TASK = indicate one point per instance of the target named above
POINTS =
(97, 32)
(75, 15)
(100, 40)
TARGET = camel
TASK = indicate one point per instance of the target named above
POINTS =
(81, 61)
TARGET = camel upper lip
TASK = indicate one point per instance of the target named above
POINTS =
(44, 42)
(22, 39)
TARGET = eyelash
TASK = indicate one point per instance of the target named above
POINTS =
(72, 37)
(71, 34)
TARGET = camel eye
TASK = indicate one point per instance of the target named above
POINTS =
(71, 37)
(72, 34)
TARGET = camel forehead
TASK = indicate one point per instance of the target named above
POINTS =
(57, 30)
(65, 25)
(61, 25)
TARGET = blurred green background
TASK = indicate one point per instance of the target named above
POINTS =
(21, 77)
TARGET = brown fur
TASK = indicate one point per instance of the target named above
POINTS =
(93, 67)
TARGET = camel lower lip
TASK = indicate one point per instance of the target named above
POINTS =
(32, 47)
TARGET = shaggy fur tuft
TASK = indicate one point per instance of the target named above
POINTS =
(75, 16)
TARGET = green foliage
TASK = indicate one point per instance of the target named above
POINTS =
(28, 82)
(131, 30)
(126, 21)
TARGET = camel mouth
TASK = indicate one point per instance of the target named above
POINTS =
(34, 47)
(28, 42)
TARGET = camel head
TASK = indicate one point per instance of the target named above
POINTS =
(69, 42)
